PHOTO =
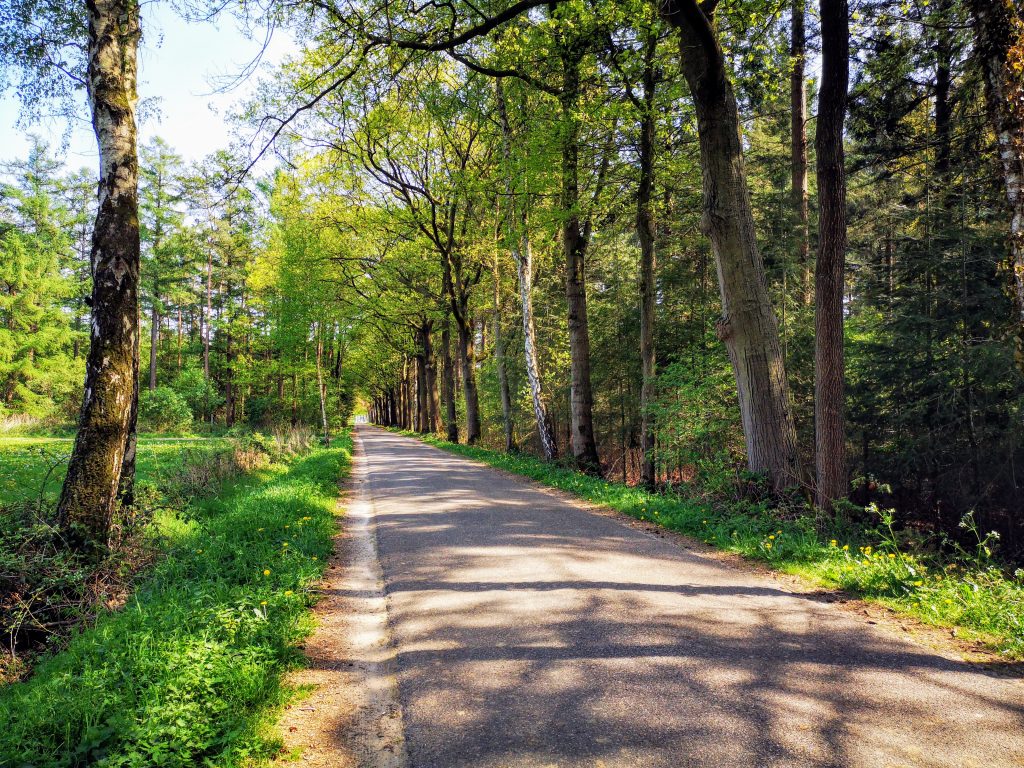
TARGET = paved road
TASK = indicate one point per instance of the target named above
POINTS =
(530, 632)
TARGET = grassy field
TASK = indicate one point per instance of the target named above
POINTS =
(188, 671)
(33, 467)
(970, 591)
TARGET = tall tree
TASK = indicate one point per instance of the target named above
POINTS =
(798, 143)
(748, 326)
(829, 374)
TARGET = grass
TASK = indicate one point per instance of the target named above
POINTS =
(970, 592)
(188, 672)
(32, 468)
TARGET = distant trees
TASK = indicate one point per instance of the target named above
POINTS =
(38, 290)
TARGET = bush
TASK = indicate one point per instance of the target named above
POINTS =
(164, 410)
(198, 392)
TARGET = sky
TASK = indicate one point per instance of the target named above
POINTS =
(182, 63)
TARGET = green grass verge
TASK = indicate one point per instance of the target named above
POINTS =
(974, 595)
(188, 672)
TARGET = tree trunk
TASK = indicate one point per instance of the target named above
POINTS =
(105, 433)
(469, 390)
(999, 44)
(798, 146)
(430, 363)
(154, 340)
(321, 387)
(448, 385)
(648, 293)
(207, 317)
(499, 362)
(748, 326)
(829, 430)
(179, 340)
(574, 244)
(522, 254)
(422, 397)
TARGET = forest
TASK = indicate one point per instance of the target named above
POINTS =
(762, 254)
(530, 230)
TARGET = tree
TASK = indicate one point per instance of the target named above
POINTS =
(830, 438)
(748, 326)
(160, 221)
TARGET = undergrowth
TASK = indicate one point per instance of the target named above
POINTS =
(951, 587)
(188, 671)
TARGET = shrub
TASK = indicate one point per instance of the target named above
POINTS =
(198, 392)
(164, 410)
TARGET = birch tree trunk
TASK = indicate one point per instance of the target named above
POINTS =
(522, 255)
(748, 326)
(999, 44)
(829, 429)
(105, 436)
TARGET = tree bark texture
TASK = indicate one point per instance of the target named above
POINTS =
(93, 480)
(829, 429)
(748, 326)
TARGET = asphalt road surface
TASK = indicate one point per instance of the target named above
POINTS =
(531, 632)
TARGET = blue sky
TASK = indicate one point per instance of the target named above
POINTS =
(183, 63)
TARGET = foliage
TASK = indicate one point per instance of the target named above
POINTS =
(189, 670)
(164, 410)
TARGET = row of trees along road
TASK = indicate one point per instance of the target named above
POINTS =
(543, 195)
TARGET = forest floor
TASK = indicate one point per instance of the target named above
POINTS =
(529, 629)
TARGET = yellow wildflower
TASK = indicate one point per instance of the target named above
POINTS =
(288, 592)
(266, 571)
